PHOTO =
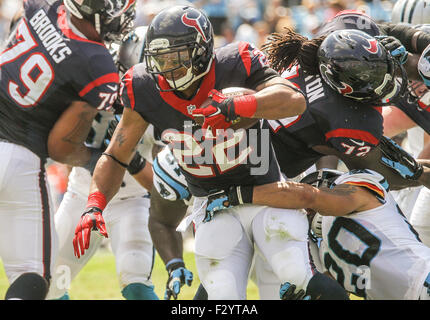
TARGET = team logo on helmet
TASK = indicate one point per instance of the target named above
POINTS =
(195, 23)
(346, 89)
(369, 43)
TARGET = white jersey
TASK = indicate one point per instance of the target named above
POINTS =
(374, 254)
(80, 178)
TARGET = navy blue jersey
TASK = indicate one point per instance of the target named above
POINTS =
(44, 68)
(348, 126)
(208, 163)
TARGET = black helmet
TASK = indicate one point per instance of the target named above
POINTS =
(179, 38)
(130, 51)
(322, 178)
(111, 18)
(357, 66)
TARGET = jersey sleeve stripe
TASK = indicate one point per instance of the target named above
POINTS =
(246, 56)
(128, 80)
(107, 78)
(354, 134)
(369, 186)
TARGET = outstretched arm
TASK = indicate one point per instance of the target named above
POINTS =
(339, 201)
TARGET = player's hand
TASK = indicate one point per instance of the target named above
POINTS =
(216, 202)
(178, 276)
(219, 114)
(394, 47)
(287, 292)
(396, 158)
(92, 219)
(235, 195)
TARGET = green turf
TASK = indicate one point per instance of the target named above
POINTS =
(98, 280)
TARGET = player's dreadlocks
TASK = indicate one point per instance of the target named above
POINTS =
(286, 49)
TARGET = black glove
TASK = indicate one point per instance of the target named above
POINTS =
(399, 160)
(394, 47)
(287, 292)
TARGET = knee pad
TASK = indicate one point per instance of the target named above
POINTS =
(139, 291)
(289, 266)
(135, 266)
(218, 238)
(285, 224)
(322, 287)
(28, 286)
(221, 285)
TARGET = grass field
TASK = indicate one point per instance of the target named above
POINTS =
(98, 280)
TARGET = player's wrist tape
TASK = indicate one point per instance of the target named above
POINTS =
(97, 199)
(174, 264)
(116, 160)
(245, 106)
(240, 195)
(136, 164)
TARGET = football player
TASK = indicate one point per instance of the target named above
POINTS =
(128, 210)
(181, 70)
(367, 243)
(56, 74)
(347, 76)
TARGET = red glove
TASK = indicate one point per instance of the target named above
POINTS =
(223, 110)
(92, 219)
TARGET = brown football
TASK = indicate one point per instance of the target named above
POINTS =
(239, 122)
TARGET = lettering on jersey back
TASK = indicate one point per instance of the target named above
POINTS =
(314, 88)
(49, 36)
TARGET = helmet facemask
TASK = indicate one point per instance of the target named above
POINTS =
(181, 65)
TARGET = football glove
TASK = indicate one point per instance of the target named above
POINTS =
(91, 220)
(394, 157)
(394, 47)
(178, 276)
(287, 292)
(225, 199)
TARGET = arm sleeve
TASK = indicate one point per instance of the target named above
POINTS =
(405, 34)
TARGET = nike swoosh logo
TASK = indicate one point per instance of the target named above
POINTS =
(357, 143)
(410, 162)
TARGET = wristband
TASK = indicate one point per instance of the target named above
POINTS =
(136, 164)
(97, 199)
(245, 106)
(240, 195)
(174, 263)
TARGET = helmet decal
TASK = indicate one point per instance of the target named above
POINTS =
(194, 23)
(346, 90)
(372, 46)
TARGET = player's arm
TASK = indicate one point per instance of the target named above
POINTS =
(66, 138)
(414, 40)
(164, 217)
(109, 172)
(108, 176)
(341, 200)
(395, 121)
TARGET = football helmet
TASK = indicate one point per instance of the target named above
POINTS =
(411, 11)
(179, 46)
(357, 66)
(111, 18)
(130, 51)
(322, 178)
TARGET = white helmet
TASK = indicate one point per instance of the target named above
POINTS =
(411, 11)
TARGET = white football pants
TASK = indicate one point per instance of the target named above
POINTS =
(28, 241)
(127, 226)
(224, 248)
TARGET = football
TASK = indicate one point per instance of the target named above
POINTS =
(239, 123)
